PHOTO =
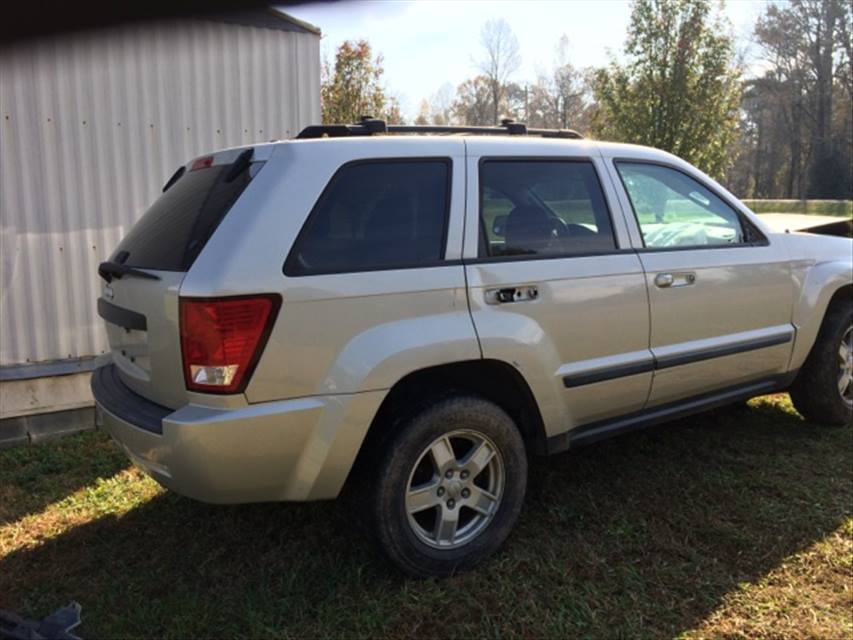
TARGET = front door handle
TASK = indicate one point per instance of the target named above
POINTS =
(664, 280)
(682, 279)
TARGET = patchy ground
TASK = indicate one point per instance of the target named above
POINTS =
(734, 524)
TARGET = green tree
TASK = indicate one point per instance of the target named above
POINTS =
(808, 43)
(679, 88)
(352, 87)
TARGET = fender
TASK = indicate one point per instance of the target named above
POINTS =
(522, 343)
(377, 358)
(820, 266)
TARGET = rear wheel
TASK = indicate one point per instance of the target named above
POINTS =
(449, 486)
(823, 390)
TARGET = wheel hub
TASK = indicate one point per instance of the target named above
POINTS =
(454, 489)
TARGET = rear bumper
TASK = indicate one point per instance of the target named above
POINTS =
(300, 449)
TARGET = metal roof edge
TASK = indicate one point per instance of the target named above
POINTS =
(278, 13)
(264, 18)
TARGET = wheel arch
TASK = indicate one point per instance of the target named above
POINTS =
(494, 380)
(826, 285)
(844, 292)
(817, 392)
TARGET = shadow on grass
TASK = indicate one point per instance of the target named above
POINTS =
(636, 537)
(34, 476)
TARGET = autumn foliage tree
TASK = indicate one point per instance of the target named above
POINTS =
(474, 103)
(352, 87)
(559, 99)
(679, 89)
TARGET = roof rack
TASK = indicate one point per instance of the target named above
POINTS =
(371, 126)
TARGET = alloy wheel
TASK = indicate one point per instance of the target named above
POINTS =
(845, 367)
(455, 489)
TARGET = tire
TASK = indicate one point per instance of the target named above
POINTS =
(816, 393)
(448, 437)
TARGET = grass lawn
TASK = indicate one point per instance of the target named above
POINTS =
(738, 523)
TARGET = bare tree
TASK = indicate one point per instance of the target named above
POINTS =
(442, 104)
(501, 60)
(423, 113)
(558, 99)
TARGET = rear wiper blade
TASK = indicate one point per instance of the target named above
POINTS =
(109, 270)
(175, 177)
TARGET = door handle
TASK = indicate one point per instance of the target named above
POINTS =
(664, 280)
(667, 280)
(506, 295)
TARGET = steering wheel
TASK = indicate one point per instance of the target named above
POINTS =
(560, 226)
(579, 230)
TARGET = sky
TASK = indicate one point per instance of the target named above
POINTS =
(427, 43)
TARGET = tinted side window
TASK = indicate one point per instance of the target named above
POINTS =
(534, 207)
(376, 215)
(674, 210)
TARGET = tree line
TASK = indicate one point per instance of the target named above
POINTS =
(680, 85)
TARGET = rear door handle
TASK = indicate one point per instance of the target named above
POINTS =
(668, 280)
(506, 295)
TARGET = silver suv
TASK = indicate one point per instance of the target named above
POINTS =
(414, 310)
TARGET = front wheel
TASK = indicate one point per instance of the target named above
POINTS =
(823, 390)
(449, 486)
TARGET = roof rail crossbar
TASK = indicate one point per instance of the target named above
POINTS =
(371, 126)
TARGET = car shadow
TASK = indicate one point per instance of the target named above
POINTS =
(35, 476)
(638, 536)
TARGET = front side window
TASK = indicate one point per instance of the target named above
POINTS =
(376, 215)
(542, 208)
(674, 210)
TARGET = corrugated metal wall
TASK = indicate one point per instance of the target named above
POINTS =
(93, 125)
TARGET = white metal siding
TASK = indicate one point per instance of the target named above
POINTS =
(92, 127)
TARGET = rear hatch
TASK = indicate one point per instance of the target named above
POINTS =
(143, 277)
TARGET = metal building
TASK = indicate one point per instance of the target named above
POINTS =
(92, 126)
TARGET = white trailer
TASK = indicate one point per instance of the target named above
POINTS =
(91, 126)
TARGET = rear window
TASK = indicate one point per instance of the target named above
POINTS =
(384, 214)
(174, 230)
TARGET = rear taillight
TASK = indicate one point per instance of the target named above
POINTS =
(222, 339)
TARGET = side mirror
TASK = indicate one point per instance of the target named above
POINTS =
(499, 225)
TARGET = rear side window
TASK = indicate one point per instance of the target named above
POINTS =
(174, 230)
(542, 208)
(388, 214)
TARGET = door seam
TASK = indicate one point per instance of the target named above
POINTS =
(464, 263)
